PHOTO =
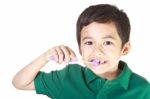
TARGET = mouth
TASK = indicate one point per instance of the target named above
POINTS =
(96, 62)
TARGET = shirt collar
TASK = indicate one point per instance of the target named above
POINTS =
(123, 79)
(89, 75)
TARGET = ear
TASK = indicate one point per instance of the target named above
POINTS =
(126, 48)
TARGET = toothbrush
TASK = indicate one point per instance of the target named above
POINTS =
(94, 62)
(71, 61)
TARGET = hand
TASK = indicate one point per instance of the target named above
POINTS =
(61, 54)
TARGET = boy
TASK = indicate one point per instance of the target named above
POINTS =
(103, 37)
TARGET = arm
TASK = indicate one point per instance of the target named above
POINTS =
(24, 79)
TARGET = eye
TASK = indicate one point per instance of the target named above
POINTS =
(108, 43)
(88, 43)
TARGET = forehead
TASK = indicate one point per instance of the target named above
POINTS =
(99, 30)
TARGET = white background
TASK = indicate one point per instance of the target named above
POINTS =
(30, 27)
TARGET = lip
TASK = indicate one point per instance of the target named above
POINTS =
(97, 62)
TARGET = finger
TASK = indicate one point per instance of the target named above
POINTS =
(53, 55)
(60, 54)
(72, 54)
(66, 53)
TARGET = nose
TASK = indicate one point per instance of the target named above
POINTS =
(99, 50)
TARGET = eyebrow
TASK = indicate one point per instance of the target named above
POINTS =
(105, 37)
(108, 37)
(86, 38)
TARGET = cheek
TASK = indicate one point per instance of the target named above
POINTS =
(85, 52)
(113, 53)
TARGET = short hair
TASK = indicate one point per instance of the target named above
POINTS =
(104, 13)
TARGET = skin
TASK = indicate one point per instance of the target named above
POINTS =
(98, 41)
(101, 42)
(24, 79)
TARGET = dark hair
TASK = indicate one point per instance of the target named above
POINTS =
(104, 13)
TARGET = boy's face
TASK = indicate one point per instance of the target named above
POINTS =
(101, 43)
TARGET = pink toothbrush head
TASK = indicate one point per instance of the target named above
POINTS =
(95, 62)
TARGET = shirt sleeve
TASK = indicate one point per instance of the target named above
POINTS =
(147, 96)
(50, 84)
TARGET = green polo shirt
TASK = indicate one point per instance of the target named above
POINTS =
(77, 82)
